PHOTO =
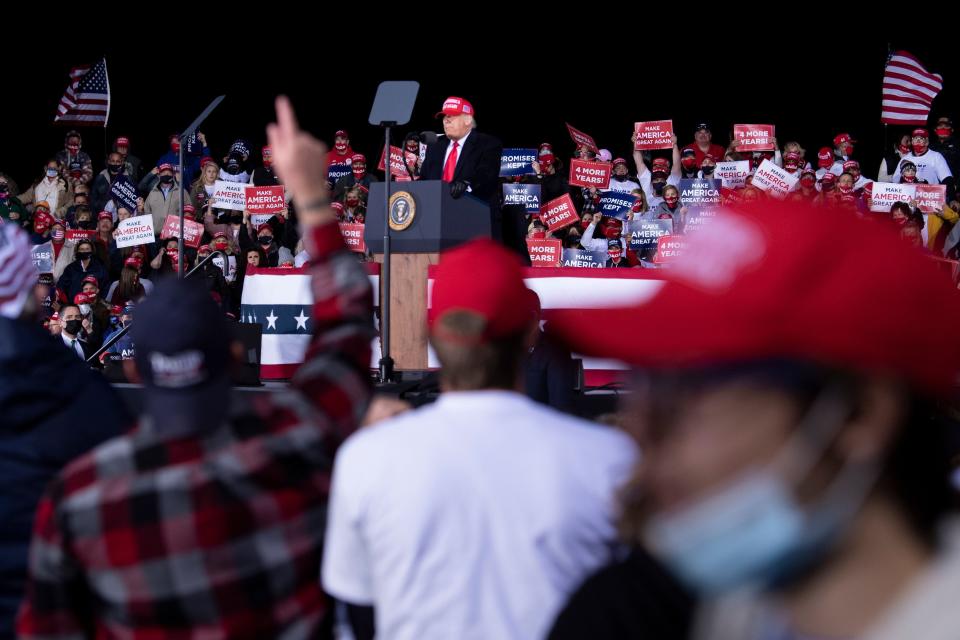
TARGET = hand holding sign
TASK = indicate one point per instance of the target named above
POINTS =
(300, 161)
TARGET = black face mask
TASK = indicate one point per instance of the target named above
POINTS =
(620, 178)
(707, 170)
(114, 168)
(73, 326)
(166, 179)
(658, 188)
(237, 218)
(4, 188)
(84, 255)
(86, 225)
(265, 240)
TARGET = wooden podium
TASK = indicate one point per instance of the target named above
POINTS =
(424, 220)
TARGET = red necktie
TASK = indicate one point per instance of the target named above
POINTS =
(451, 165)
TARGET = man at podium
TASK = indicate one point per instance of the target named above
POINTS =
(464, 157)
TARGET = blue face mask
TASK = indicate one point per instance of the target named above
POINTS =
(51, 173)
(753, 531)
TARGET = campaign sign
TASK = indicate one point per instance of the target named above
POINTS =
(581, 258)
(80, 234)
(886, 194)
(135, 231)
(931, 198)
(669, 248)
(398, 167)
(525, 195)
(42, 255)
(582, 139)
(192, 231)
(702, 198)
(260, 200)
(337, 171)
(774, 180)
(643, 234)
(656, 134)
(615, 204)
(754, 137)
(559, 213)
(124, 193)
(229, 195)
(545, 253)
(353, 237)
(733, 175)
(584, 173)
(517, 162)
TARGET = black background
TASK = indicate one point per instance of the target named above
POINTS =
(810, 90)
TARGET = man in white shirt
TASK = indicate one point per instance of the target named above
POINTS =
(477, 516)
(931, 166)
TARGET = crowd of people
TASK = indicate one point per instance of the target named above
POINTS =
(795, 476)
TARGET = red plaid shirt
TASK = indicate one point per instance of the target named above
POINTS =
(215, 535)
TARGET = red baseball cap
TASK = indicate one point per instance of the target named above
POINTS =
(84, 298)
(851, 164)
(660, 164)
(92, 280)
(454, 106)
(358, 157)
(828, 177)
(842, 138)
(485, 278)
(133, 261)
(220, 234)
(617, 161)
(189, 208)
(123, 142)
(825, 157)
(207, 160)
(921, 132)
(105, 215)
(166, 166)
(341, 133)
(787, 280)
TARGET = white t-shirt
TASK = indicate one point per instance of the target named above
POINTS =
(646, 183)
(931, 167)
(474, 517)
(622, 187)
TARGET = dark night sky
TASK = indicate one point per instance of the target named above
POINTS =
(524, 102)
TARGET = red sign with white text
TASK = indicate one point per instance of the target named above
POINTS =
(545, 253)
(192, 231)
(656, 134)
(398, 167)
(263, 200)
(353, 236)
(590, 174)
(931, 198)
(669, 248)
(582, 139)
(754, 137)
(80, 234)
(559, 213)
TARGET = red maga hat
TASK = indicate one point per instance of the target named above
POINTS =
(454, 106)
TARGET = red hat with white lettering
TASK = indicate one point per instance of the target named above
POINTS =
(920, 133)
(166, 166)
(341, 133)
(660, 165)
(207, 160)
(741, 281)
(189, 208)
(105, 215)
(123, 142)
(617, 161)
(358, 157)
(92, 280)
(842, 138)
(485, 278)
(825, 158)
(851, 164)
(454, 106)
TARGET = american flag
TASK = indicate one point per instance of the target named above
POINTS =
(908, 90)
(87, 99)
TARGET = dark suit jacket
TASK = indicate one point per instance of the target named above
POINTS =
(478, 164)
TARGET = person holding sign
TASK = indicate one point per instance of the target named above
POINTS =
(548, 175)
(931, 166)
(608, 228)
(654, 180)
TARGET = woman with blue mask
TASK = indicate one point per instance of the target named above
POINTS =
(795, 475)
